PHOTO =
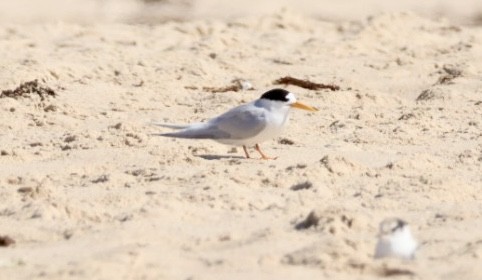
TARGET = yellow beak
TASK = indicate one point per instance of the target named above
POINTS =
(303, 106)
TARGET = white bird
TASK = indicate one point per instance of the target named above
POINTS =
(246, 125)
(395, 240)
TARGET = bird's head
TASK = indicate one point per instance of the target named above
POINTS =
(392, 225)
(281, 97)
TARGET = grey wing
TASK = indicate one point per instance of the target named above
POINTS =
(239, 123)
(242, 122)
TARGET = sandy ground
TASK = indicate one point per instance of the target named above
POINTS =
(87, 193)
(467, 12)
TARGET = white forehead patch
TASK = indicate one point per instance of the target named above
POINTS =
(291, 98)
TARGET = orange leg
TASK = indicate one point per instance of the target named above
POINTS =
(246, 151)
(263, 156)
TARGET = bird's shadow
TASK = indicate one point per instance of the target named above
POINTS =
(218, 157)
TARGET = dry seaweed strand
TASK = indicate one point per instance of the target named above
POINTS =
(223, 89)
(237, 85)
(288, 80)
(24, 89)
(6, 241)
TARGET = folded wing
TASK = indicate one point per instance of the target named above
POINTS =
(237, 124)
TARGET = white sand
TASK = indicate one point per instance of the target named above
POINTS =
(102, 199)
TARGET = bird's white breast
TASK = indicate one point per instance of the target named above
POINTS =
(399, 244)
(276, 119)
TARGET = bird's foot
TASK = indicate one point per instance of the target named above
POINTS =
(266, 157)
(263, 156)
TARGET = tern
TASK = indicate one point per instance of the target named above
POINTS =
(395, 240)
(246, 125)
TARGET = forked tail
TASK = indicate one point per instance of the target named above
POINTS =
(173, 126)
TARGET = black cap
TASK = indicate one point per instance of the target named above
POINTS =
(400, 224)
(276, 94)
